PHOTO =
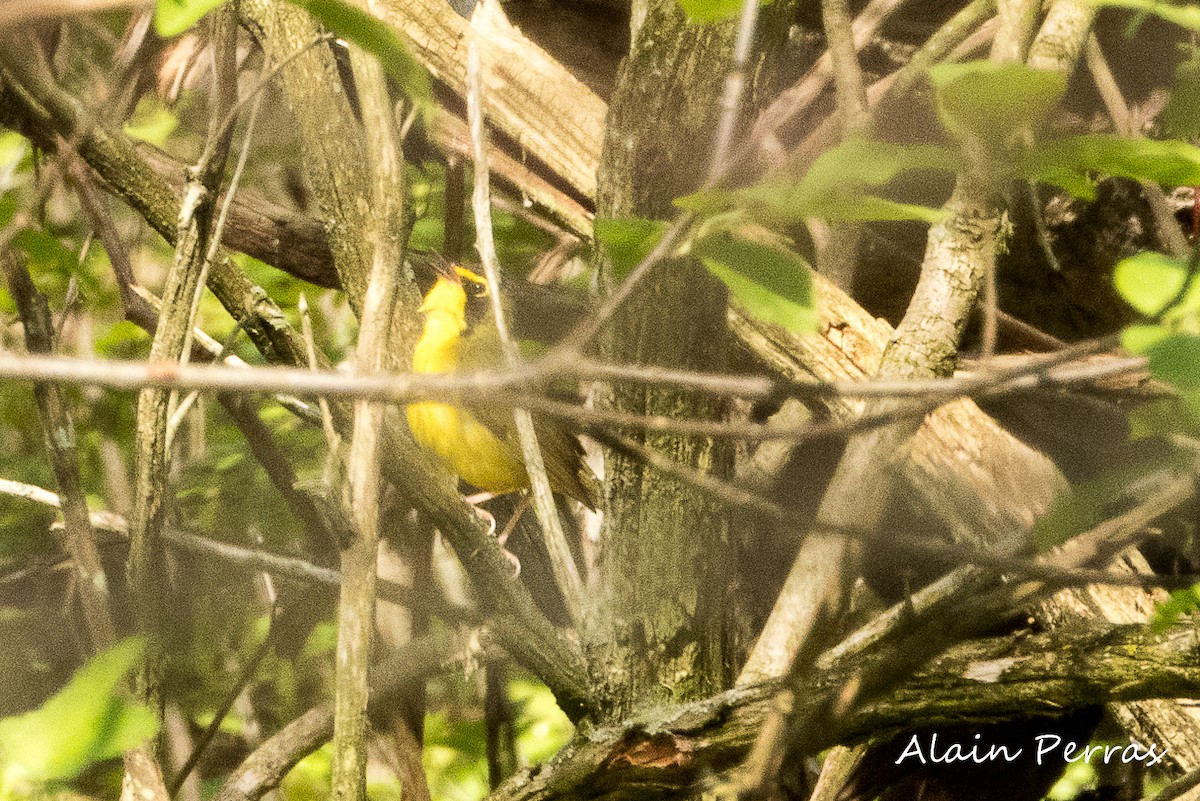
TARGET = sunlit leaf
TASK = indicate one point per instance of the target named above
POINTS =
(627, 240)
(708, 201)
(837, 185)
(542, 727)
(1140, 338)
(1166, 417)
(380, 40)
(13, 149)
(151, 122)
(862, 162)
(869, 207)
(173, 17)
(1149, 281)
(1181, 602)
(1068, 162)
(772, 284)
(710, 11)
(994, 101)
(1187, 15)
(1176, 360)
(86, 722)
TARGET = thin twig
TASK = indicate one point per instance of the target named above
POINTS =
(731, 97)
(1010, 46)
(254, 94)
(79, 539)
(269, 763)
(847, 74)
(1018, 21)
(152, 458)
(333, 440)
(1043, 374)
(1114, 101)
(384, 229)
(943, 551)
(837, 253)
(566, 573)
(578, 337)
(791, 103)
(250, 558)
(214, 245)
(231, 695)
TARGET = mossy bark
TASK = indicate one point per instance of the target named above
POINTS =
(658, 632)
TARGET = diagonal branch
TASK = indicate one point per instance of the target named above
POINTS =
(180, 293)
(79, 538)
(562, 561)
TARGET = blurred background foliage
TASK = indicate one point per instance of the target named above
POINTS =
(219, 625)
(222, 493)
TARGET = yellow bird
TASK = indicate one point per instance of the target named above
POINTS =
(480, 445)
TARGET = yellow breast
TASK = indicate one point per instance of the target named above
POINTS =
(467, 447)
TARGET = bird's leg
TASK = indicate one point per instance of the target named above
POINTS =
(522, 505)
(483, 497)
(487, 516)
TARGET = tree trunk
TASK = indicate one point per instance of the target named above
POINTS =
(667, 546)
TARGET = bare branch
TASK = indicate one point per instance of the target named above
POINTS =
(179, 301)
(731, 98)
(384, 228)
(59, 430)
(563, 562)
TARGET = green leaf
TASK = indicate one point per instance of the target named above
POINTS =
(380, 40)
(1176, 360)
(627, 240)
(1140, 338)
(1163, 418)
(863, 163)
(708, 201)
(710, 11)
(13, 148)
(173, 17)
(994, 101)
(773, 284)
(705, 11)
(870, 207)
(1186, 15)
(1086, 504)
(151, 122)
(86, 722)
(836, 186)
(1150, 281)
(1181, 118)
(1068, 162)
(1180, 603)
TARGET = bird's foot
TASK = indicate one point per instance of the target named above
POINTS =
(487, 517)
(490, 519)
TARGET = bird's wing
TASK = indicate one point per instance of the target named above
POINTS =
(561, 450)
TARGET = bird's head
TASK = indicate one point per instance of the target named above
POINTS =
(449, 292)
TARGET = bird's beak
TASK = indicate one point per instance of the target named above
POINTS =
(474, 278)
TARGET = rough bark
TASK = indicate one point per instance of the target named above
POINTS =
(659, 752)
(659, 622)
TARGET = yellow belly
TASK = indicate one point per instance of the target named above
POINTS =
(467, 447)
